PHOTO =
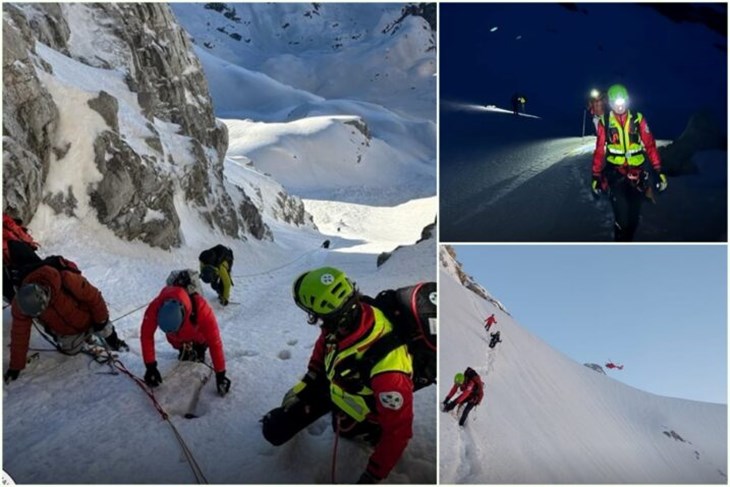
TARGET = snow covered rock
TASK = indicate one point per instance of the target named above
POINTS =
(447, 258)
(596, 367)
(116, 93)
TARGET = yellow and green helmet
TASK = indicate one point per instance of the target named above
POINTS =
(459, 378)
(322, 292)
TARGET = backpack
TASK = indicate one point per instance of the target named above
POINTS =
(189, 280)
(56, 261)
(472, 375)
(413, 312)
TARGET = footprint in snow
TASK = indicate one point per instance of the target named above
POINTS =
(317, 428)
(249, 353)
(292, 342)
(284, 355)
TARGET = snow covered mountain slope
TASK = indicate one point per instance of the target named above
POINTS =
(336, 101)
(378, 53)
(535, 187)
(547, 419)
(119, 437)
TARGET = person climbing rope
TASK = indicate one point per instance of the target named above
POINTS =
(190, 327)
(623, 145)
(68, 307)
(472, 392)
(215, 269)
(494, 340)
(370, 400)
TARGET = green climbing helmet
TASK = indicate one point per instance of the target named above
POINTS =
(459, 378)
(322, 292)
(618, 98)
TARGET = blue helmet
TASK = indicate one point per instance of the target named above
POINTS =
(170, 316)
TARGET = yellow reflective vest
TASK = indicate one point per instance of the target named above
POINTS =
(623, 143)
(359, 402)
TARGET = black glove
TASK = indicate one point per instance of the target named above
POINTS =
(367, 478)
(222, 382)
(152, 377)
(223, 301)
(116, 343)
(449, 406)
(10, 375)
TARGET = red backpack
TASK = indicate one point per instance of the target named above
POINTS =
(12, 230)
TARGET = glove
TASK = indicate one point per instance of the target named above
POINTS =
(597, 185)
(116, 343)
(368, 478)
(10, 375)
(222, 382)
(661, 184)
(152, 377)
(449, 406)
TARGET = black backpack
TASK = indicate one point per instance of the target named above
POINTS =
(413, 311)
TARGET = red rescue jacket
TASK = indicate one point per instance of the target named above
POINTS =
(75, 305)
(472, 390)
(490, 321)
(205, 330)
(396, 424)
(13, 231)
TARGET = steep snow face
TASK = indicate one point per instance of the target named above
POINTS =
(369, 52)
(547, 419)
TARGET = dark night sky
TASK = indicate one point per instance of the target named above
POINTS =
(671, 69)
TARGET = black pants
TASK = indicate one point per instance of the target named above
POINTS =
(626, 200)
(469, 406)
(280, 426)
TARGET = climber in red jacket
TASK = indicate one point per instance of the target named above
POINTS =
(472, 393)
(190, 327)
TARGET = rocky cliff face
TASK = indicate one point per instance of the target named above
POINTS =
(447, 259)
(116, 87)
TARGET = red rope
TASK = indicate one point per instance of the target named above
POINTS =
(122, 368)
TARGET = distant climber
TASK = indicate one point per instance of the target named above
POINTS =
(19, 250)
(472, 392)
(597, 106)
(624, 149)
(215, 269)
(495, 340)
(491, 320)
(611, 365)
(326, 244)
(518, 103)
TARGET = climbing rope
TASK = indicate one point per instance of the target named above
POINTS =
(194, 465)
(129, 313)
(237, 276)
(117, 365)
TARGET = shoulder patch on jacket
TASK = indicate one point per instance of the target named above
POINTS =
(391, 400)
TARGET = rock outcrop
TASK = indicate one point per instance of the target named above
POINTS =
(160, 149)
